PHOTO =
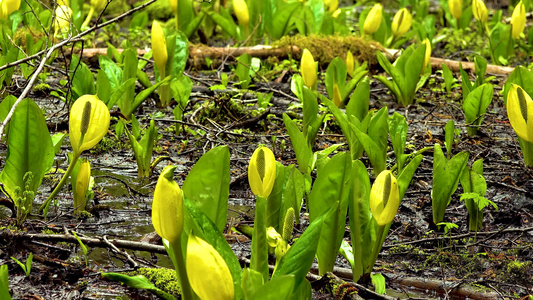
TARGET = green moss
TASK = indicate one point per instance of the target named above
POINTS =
(164, 279)
(41, 87)
(326, 48)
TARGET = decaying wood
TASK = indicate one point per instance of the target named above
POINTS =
(198, 54)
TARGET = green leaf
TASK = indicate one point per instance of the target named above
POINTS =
(446, 176)
(129, 72)
(331, 186)
(224, 20)
(522, 77)
(359, 217)
(82, 79)
(378, 281)
(281, 22)
(359, 102)
(298, 260)
(29, 149)
(138, 282)
(449, 133)
(103, 87)
(398, 132)
(279, 288)
(475, 106)
(335, 74)
(375, 146)
(4, 283)
(207, 184)
(304, 154)
(113, 72)
(181, 91)
(310, 111)
(406, 175)
(143, 95)
(274, 200)
(449, 79)
(292, 194)
(251, 282)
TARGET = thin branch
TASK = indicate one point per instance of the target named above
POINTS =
(49, 53)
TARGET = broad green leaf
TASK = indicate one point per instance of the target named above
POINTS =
(446, 176)
(129, 72)
(406, 175)
(279, 288)
(119, 92)
(143, 95)
(138, 282)
(331, 186)
(103, 87)
(113, 72)
(207, 184)
(449, 133)
(274, 200)
(82, 79)
(475, 106)
(292, 194)
(522, 77)
(259, 247)
(298, 260)
(178, 53)
(181, 91)
(359, 217)
(251, 282)
(4, 283)
(376, 155)
(310, 110)
(359, 102)
(449, 79)
(224, 20)
(335, 74)
(398, 132)
(281, 22)
(304, 154)
(29, 149)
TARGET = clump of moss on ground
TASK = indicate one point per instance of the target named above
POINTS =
(326, 48)
(164, 279)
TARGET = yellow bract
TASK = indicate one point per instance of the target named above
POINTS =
(384, 198)
(7, 7)
(373, 19)
(241, 11)
(82, 184)
(331, 5)
(350, 64)
(207, 271)
(518, 20)
(427, 55)
(337, 98)
(308, 69)
(262, 172)
(62, 21)
(89, 122)
(480, 11)
(401, 23)
(167, 207)
(520, 112)
(159, 47)
(98, 4)
(173, 6)
(456, 8)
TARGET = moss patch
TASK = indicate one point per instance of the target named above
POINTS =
(164, 279)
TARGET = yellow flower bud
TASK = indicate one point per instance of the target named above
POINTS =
(173, 6)
(518, 20)
(7, 7)
(337, 99)
(262, 172)
(63, 16)
(167, 207)
(331, 5)
(159, 47)
(272, 237)
(456, 8)
(208, 273)
(350, 64)
(401, 23)
(336, 13)
(89, 122)
(384, 198)
(98, 4)
(241, 11)
(480, 11)
(63, 2)
(373, 19)
(520, 112)
(427, 55)
(308, 69)
(82, 185)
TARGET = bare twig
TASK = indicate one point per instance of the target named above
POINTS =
(48, 53)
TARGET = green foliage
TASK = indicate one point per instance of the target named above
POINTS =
(142, 150)
(30, 155)
(405, 73)
(4, 283)
(336, 74)
(475, 107)
(138, 282)
(446, 174)
(25, 267)
(330, 192)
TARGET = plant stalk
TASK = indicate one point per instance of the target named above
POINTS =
(186, 291)
(377, 247)
(259, 259)
(61, 183)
